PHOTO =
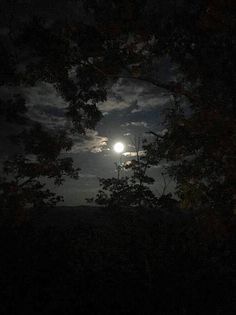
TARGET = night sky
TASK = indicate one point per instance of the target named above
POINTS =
(133, 108)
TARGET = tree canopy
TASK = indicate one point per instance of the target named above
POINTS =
(123, 40)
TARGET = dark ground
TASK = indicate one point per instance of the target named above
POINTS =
(88, 260)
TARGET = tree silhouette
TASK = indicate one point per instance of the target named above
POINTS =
(128, 191)
(22, 187)
(200, 141)
(127, 39)
(62, 54)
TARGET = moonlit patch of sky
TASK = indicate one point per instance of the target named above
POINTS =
(132, 109)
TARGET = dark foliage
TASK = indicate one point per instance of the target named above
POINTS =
(128, 191)
(200, 38)
(127, 38)
(78, 60)
(119, 263)
(22, 188)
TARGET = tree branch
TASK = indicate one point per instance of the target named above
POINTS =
(26, 181)
(171, 87)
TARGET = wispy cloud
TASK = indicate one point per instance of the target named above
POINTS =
(135, 124)
(45, 105)
(133, 153)
(113, 104)
(91, 142)
(133, 95)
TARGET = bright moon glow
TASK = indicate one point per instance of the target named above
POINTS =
(119, 147)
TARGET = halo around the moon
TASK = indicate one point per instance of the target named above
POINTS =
(119, 147)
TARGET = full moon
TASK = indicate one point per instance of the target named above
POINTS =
(118, 147)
